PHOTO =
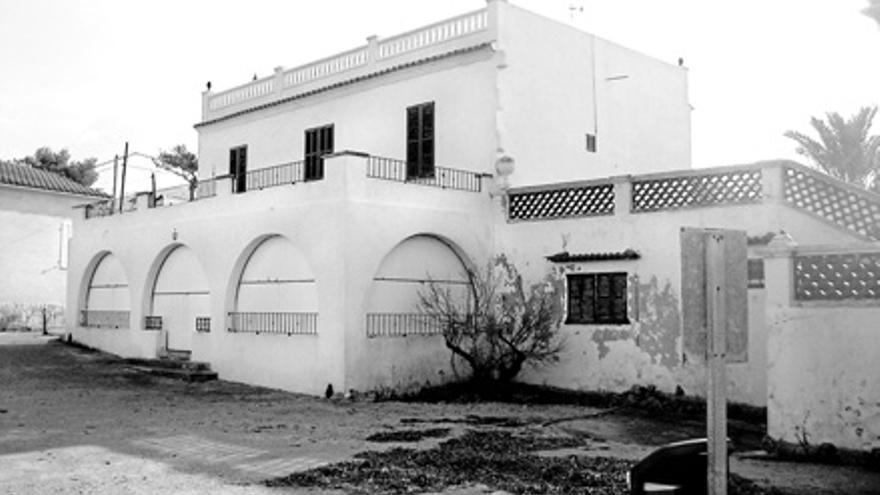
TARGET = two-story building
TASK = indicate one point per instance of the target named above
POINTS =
(333, 191)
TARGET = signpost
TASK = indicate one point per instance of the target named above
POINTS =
(715, 324)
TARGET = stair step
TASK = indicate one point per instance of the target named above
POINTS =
(188, 375)
(169, 364)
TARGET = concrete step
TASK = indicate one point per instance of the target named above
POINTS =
(186, 375)
(166, 363)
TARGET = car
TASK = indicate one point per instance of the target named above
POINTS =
(677, 468)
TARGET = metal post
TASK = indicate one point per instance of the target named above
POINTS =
(716, 412)
(115, 174)
(122, 186)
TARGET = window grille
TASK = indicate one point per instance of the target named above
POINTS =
(581, 201)
(203, 324)
(855, 210)
(597, 298)
(153, 322)
(837, 277)
(701, 189)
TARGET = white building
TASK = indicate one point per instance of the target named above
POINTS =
(36, 208)
(332, 191)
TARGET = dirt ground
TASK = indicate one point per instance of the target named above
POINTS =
(74, 421)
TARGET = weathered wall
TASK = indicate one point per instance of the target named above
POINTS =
(650, 350)
(822, 381)
(557, 84)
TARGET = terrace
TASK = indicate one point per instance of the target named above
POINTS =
(462, 32)
(286, 175)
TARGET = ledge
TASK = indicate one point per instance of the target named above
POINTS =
(566, 257)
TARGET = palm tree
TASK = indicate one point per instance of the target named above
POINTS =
(845, 150)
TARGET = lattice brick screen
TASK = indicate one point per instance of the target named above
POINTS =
(563, 202)
(740, 186)
(835, 277)
(852, 210)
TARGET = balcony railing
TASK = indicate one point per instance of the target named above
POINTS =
(278, 175)
(274, 322)
(401, 325)
(381, 53)
(103, 318)
(447, 178)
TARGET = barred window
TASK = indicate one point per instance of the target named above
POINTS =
(755, 273)
(597, 298)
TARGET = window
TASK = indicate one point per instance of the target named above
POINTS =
(591, 143)
(319, 142)
(597, 298)
(238, 168)
(756, 273)
(420, 141)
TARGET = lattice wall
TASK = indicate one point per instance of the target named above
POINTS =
(836, 277)
(854, 210)
(668, 193)
(561, 203)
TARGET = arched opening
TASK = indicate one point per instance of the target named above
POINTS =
(180, 302)
(107, 301)
(276, 292)
(392, 303)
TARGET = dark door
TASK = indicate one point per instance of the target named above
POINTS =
(420, 141)
(238, 168)
(319, 142)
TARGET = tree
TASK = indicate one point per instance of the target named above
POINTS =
(498, 325)
(845, 150)
(183, 163)
(873, 10)
(82, 172)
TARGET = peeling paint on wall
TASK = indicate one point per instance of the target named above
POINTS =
(660, 321)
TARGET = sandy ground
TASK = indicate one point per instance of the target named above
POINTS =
(74, 422)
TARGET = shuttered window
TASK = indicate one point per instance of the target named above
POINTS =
(420, 141)
(319, 142)
(238, 168)
(597, 298)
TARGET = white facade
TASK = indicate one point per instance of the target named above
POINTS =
(287, 280)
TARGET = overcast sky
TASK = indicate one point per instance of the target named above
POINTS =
(88, 75)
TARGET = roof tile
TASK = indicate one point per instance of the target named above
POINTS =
(25, 176)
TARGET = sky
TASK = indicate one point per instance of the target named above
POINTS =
(89, 75)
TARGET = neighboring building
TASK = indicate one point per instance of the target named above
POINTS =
(36, 208)
(300, 262)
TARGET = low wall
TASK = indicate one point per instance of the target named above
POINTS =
(823, 348)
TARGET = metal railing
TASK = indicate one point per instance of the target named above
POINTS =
(402, 325)
(206, 188)
(104, 318)
(152, 322)
(273, 322)
(277, 175)
(446, 178)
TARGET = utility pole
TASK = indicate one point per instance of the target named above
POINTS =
(115, 173)
(122, 186)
